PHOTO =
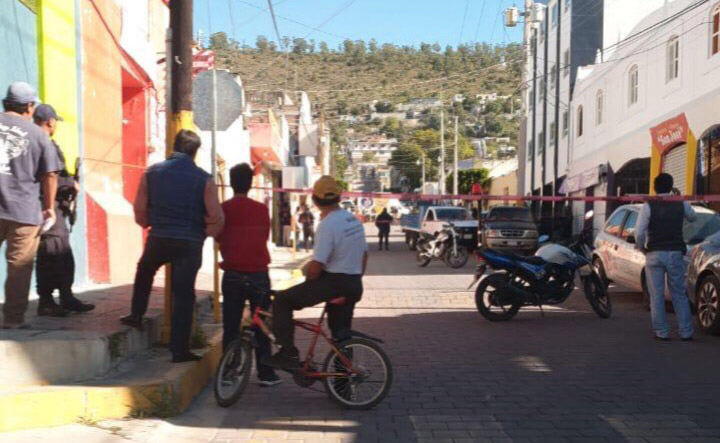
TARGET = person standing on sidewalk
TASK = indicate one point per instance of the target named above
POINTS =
(55, 267)
(178, 201)
(28, 164)
(383, 223)
(243, 245)
(307, 220)
(659, 233)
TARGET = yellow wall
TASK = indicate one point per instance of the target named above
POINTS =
(690, 167)
(498, 185)
(58, 70)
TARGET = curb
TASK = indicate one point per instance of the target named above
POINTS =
(172, 393)
(45, 406)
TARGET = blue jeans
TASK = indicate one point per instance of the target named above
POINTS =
(658, 265)
(235, 293)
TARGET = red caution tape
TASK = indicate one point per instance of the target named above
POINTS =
(425, 197)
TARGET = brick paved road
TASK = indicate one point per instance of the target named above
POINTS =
(567, 377)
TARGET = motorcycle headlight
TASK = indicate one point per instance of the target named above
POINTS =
(493, 233)
(531, 234)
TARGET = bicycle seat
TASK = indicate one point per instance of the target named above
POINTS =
(337, 301)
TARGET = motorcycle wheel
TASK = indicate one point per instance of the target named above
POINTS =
(423, 258)
(486, 299)
(597, 295)
(456, 261)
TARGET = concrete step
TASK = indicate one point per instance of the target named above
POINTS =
(147, 384)
(82, 346)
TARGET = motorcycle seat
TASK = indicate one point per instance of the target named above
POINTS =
(532, 259)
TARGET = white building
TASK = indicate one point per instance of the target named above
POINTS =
(379, 146)
(651, 106)
(567, 36)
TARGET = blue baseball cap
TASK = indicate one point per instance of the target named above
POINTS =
(45, 112)
(21, 93)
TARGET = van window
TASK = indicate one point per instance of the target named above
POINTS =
(430, 216)
(630, 223)
(615, 223)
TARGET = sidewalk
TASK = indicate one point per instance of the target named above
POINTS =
(90, 367)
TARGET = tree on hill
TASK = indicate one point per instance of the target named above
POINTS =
(468, 178)
(384, 107)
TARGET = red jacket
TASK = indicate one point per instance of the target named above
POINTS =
(243, 241)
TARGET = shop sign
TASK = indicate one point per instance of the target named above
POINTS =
(584, 180)
(670, 133)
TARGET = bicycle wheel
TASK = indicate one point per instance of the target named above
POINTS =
(233, 372)
(373, 380)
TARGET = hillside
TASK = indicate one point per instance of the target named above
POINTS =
(349, 77)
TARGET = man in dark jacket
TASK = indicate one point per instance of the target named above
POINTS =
(178, 201)
(383, 222)
(55, 263)
(660, 234)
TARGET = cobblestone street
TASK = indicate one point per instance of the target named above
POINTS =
(566, 377)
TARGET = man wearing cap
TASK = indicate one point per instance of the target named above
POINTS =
(338, 264)
(28, 163)
(55, 262)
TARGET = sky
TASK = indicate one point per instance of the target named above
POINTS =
(402, 22)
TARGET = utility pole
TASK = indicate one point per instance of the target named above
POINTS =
(422, 162)
(455, 160)
(178, 114)
(442, 149)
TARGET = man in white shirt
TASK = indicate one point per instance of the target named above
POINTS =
(339, 262)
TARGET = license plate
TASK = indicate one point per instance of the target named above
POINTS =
(468, 236)
(512, 243)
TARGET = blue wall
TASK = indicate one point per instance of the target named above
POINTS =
(18, 40)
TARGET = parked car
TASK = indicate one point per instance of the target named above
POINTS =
(615, 257)
(509, 228)
(703, 283)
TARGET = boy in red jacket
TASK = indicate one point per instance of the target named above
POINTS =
(243, 245)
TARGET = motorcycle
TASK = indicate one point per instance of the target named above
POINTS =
(443, 246)
(547, 278)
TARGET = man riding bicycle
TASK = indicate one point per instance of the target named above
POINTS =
(339, 262)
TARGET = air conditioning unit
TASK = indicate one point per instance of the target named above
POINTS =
(511, 17)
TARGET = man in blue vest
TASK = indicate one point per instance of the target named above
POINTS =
(659, 233)
(178, 201)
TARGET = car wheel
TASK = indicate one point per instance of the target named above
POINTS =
(707, 299)
(600, 270)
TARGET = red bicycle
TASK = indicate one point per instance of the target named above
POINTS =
(356, 372)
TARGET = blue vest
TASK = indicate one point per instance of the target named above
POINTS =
(176, 204)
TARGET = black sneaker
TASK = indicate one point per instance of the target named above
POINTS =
(659, 338)
(185, 357)
(285, 359)
(75, 305)
(50, 309)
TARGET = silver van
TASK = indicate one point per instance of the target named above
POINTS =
(615, 257)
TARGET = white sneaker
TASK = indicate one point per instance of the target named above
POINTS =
(271, 382)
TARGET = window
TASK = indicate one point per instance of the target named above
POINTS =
(554, 15)
(531, 149)
(673, 59)
(542, 90)
(430, 216)
(531, 100)
(553, 77)
(715, 32)
(567, 4)
(565, 123)
(614, 225)
(633, 85)
(541, 145)
(599, 107)
(566, 63)
(629, 228)
(579, 121)
(553, 128)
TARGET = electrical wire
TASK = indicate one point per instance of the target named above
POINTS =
(275, 25)
(462, 27)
